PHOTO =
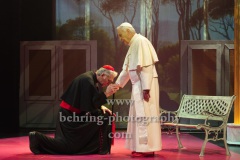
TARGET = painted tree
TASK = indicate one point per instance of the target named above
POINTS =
(110, 8)
(156, 22)
(74, 29)
(218, 18)
(183, 8)
(196, 22)
(221, 17)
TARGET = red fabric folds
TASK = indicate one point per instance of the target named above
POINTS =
(69, 107)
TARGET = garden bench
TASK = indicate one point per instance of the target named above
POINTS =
(208, 109)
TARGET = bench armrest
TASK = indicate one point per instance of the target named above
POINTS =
(209, 114)
(212, 114)
(162, 111)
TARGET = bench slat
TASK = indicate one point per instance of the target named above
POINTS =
(180, 125)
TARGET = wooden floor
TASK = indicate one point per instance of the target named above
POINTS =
(17, 148)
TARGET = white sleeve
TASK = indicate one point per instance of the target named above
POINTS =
(123, 78)
(146, 76)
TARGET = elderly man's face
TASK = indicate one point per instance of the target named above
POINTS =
(105, 80)
(123, 36)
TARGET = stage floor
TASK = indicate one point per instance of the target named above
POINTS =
(17, 148)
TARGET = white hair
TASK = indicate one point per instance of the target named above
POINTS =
(125, 25)
(107, 72)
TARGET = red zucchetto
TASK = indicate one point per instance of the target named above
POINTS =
(108, 67)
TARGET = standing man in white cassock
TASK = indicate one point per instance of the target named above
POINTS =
(139, 66)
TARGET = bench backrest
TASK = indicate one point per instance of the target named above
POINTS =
(193, 106)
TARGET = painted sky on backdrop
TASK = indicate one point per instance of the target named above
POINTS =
(66, 9)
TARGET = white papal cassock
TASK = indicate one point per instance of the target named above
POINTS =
(143, 123)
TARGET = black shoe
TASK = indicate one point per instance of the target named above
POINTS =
(33, 144)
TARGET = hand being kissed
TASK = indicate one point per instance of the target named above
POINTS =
(114, 87)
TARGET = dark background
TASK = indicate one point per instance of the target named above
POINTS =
(21, 20)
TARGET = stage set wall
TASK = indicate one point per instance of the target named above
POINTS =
(23, 20)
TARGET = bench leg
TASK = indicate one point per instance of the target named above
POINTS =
(179, 142)
(204, 143)
(225, 142)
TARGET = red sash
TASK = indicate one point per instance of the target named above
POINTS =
(69, 107)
